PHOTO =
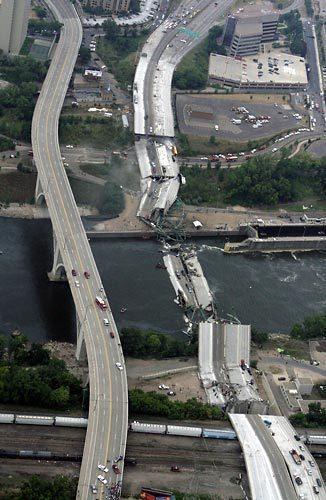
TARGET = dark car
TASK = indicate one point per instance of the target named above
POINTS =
(116, 469)
(318, 481)
(112, 335)
(74, 272)
(302, 456)
(298, 480)
(175, 468)
(296, 437)
(86, 274)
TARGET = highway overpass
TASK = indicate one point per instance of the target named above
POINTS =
(108, 407)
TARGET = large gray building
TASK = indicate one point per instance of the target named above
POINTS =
(245, 32)
(13, 24)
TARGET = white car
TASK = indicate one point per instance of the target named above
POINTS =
(102, 479)
(77, 283)
(119, 366)
(106, 321)
(274, 150)
(103, 468)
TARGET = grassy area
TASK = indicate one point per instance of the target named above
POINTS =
(93, 131)
(16, 187)
(292, 347)
(24, 51)
(192, 72)
(122, 172)
(121, 62)
(101, 170)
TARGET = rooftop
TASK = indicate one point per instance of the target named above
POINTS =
(288, 69)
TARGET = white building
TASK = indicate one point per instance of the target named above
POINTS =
(13, 24)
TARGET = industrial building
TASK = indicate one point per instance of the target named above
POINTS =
(268, 71)
(108, 5)
(246, 32)
(13, 24)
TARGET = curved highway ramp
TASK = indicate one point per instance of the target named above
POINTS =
(108, 408)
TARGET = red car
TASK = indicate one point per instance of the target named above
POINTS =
(112, 335)
(73, 272)
(116, 469)
(86, 274)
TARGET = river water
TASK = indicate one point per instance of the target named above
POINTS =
(270, 292)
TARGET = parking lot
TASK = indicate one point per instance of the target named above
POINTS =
(207, 115)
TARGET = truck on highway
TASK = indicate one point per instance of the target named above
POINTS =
(295, 457)
(100, 302)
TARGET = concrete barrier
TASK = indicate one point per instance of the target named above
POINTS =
(169, 372)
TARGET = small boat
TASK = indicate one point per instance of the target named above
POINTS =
(123, 310)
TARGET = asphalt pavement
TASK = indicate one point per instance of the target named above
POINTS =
(108, 408)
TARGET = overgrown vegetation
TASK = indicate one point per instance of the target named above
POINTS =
(36, 488)
(93, 131)
(6, 144)
(261, 181)
(309, 9)
(18, 100)
(146, 343)
(192, 71)
(316, 417)
(294, 32)
(113, 201)
(43, 26)
(151, 403)
(119, 50)
(28, 376)
(311, 327)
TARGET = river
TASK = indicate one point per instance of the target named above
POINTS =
(271, 292)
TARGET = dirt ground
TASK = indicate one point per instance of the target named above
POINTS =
(127, 220)
(318, 351)
(186, 385)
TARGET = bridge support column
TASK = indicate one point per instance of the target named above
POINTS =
(39, 192)
(81, 347)
(58, 272)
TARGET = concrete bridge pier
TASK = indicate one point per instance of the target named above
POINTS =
(81, 354)
(58, 271)
(39, 192)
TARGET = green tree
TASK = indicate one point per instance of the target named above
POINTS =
(111, 30)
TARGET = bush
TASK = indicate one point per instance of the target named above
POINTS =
(113, 201)
(311, 327)
(151, 403)
(140, 343)
(28, 376)
(36, 488)
(6, 144)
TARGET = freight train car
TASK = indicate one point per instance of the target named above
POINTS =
(219, 434)
(178, 430)
(147, 428)
(34, 420)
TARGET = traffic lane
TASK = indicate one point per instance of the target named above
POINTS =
(77, 219)
(201, 24)
(293, 362)
(275, 456)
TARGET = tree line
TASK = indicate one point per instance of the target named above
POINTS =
(311, 327)
(36, 488)
(316, 417)
(148, 343)
(152, 403)
(29, 376)
(17, 101)
(192, 71)
(294, 32)
(261, 181)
